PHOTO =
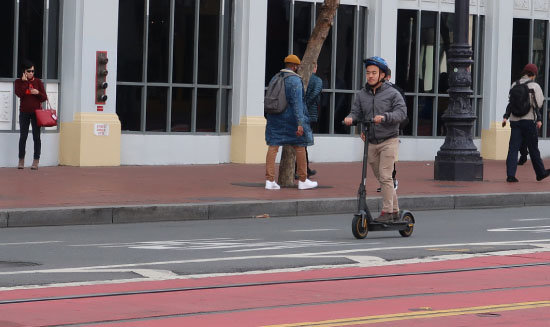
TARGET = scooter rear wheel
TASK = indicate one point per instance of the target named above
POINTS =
(357, 228)
(407, 218)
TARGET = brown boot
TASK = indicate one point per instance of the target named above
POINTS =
(21, 164)
(34, 164)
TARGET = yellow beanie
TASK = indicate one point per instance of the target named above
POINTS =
(293, 59)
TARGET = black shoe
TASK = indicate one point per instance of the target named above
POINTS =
(512, 179)
(379, 190)
(385, 217)
(311, 172)
(295, 176)
(522, 160)
(546, 174)
(396, 216)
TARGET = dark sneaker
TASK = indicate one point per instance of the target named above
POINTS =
(512, 179)
(396, 216)
(385, 217)
(311, 172)
(522, 160)
(546, 174)
(379, 190)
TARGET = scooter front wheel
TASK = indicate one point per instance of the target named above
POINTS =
(359, 227)
(407, 218)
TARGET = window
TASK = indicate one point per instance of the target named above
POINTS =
(529, 44)
(289, 26)
(174, 65)
(30, 30)
(423, 42)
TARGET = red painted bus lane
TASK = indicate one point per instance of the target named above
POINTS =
(515, 288)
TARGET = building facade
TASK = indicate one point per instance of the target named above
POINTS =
(186, 78)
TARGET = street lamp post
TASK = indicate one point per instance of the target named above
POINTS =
(458, 158)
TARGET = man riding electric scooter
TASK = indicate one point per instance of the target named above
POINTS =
(382, 104)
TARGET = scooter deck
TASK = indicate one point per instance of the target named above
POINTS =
(398, 225)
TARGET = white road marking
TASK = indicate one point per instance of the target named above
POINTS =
(267, 246)
(238, 245)
(159, 242)
(27, 243)
(532, 229)
(314, 230)
(532, 219)
(365, 261)
(326, 254)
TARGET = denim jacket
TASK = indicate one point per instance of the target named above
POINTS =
(281, 128)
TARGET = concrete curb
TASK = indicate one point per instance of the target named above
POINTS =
(61, 216)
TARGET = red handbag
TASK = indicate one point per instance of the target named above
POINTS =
(46, 117)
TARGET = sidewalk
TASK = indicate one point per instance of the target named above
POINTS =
(80, 195)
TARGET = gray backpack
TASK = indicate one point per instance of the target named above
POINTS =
(275, 96)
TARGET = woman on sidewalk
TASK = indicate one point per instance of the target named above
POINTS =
(30, 90)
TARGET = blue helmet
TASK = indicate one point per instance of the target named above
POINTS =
(379, 62)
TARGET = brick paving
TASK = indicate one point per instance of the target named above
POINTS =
(63, 186)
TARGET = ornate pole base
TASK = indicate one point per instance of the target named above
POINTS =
(468, 168)
(458, 158)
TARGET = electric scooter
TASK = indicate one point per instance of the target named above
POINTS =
(362, 221)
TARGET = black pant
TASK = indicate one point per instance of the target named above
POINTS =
(524, 130)
(523, 149)
(25, 119)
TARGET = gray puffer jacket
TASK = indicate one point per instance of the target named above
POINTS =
(388, 102)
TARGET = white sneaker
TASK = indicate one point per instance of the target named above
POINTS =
(395, 184)
(307, 184)
(272, 185)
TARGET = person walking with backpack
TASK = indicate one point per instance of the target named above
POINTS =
(287, 122)
(379, 102)
(525, 99)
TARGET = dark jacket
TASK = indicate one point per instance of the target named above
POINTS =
(388, 102)
(30, 102)
(313, 97)
(281, 128)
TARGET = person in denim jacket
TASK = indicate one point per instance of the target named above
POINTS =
(290, 127)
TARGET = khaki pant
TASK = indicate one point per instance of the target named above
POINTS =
(300, 161)
(381, 159)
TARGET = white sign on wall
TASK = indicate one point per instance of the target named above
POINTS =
(101, 129)
(6, 105)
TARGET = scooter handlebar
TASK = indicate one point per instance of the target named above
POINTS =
(357, 122)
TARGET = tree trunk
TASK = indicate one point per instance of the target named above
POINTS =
(286, 167)
(317, 38)
(314, 46)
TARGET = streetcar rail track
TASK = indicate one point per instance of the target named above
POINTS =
(270, 283)
(280, 306)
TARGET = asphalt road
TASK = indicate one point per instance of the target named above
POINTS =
(78, 255)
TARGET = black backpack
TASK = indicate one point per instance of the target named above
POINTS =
(275, 97)
(519, 98)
